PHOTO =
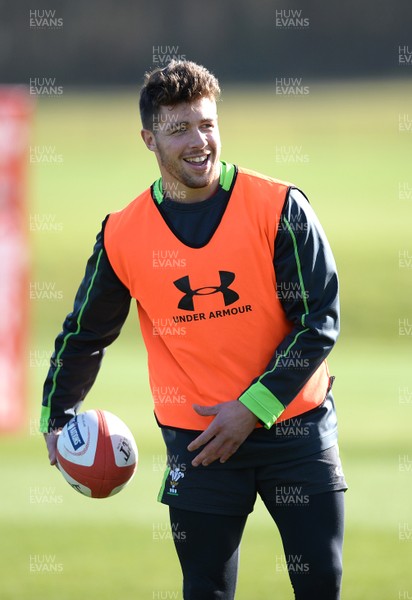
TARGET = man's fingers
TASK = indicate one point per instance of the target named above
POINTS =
(215, 450)
(209, 454)
(209, 433)
(202, 439)
(233, 422)
(228, 452)
(51, 442)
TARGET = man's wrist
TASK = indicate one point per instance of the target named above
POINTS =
(262, 403)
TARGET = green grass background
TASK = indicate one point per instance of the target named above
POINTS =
(357, 157)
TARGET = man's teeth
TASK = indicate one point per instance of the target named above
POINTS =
(197, 159)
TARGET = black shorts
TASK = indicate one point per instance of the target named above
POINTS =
(220, 489)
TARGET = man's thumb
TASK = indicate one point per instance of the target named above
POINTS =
(206, 411)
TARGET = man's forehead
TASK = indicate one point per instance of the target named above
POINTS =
(203, 108)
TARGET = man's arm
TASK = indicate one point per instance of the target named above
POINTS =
(307, 286)
(100, 309)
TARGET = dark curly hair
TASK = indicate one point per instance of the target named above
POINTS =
(180, 81)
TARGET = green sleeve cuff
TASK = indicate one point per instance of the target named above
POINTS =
(262, 403)
(44, 419)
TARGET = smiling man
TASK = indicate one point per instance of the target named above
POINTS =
(185, 139)
(237, 295)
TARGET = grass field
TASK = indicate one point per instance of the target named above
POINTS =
(342, 145)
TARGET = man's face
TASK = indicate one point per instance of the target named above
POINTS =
(186, 141)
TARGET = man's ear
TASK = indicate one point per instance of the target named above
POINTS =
(149, 139)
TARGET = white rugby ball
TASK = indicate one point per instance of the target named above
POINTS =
(97, 453)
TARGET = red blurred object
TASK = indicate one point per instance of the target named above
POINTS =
(16, 108)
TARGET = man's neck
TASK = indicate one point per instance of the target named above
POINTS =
(177, 191)
(188, 195)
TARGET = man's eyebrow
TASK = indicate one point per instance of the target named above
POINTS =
(186, 122)
(178, 124)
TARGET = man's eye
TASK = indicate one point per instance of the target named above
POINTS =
(178, 129)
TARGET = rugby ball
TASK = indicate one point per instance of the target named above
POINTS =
(96, 453)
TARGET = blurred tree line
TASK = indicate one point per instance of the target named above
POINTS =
(87, 42)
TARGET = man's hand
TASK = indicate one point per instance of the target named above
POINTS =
(51, 442)
(228, 430)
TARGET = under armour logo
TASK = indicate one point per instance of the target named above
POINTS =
(226, 278)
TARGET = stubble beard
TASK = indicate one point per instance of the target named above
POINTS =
(188, 180)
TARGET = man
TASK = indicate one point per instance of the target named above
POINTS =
(238, 318)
